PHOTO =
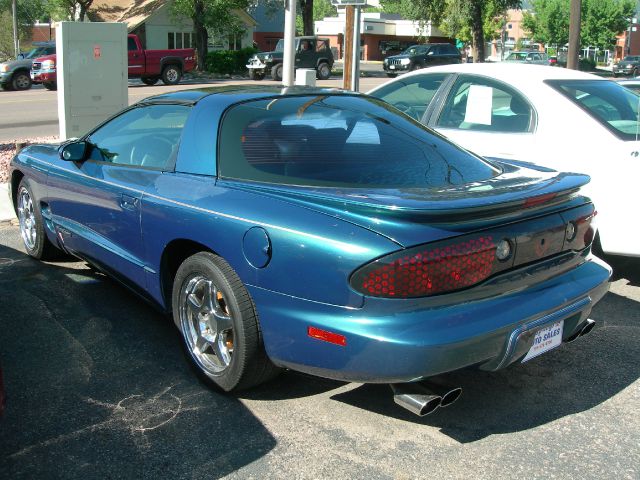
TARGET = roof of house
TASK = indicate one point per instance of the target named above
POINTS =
(135, 12)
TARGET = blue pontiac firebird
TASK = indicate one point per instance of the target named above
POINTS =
(321, 231)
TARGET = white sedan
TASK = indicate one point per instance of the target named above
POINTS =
(558, 118)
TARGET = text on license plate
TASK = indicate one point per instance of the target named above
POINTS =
(546, 339)
(392, 67)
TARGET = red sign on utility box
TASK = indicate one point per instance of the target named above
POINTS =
(96, 52)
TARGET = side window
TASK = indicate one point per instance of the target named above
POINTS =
(146, 136)
(322, 46)
(131, 44)
(412, 96)
(484, 104)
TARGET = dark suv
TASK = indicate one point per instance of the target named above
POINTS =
(629, 65)
(311, 52)
(421, 56)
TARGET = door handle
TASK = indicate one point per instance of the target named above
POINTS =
(128, 202)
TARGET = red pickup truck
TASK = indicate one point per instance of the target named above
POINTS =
(147, 65)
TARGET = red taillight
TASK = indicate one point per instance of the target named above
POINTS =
(429, 269)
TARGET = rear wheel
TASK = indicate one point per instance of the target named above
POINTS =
(219, 325)
(324, 71)
(171, 75)
(21, 81)
(149, 80)
(32, 231)
(276, 72)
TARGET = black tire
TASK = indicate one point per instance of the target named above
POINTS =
(53, 86)
(392, 75)
(149, 80)
(32, 231)
(21, 80)
(206, 286)
(255, 75)
(171, 75)
(5, 86)
(615, 75)
(276, 72)
(323, 71)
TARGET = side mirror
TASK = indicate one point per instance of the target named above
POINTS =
(74, 152)
(20, 56)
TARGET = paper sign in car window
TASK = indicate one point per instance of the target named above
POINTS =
(479, 104)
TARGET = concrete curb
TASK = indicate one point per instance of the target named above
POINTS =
(6, 209)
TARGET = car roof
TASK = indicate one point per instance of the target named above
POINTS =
(512, 73)
(242, 92)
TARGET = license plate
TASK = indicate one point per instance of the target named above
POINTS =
(546, 339)
(392, 67)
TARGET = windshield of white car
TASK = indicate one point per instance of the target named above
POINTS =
(340, 141)
(610, 104)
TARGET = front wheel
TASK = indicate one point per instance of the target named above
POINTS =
(149, 80)
(324, 71)
(51, 86)
(219, 324)
(255, 75)
(32, 231)
(392, 75)
(171, 75)
(21, 81)
(276, 72)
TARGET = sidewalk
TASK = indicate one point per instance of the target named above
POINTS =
(6, 209)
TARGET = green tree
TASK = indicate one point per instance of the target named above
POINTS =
(29, 11)
(602, 20)
(215, 17)
(472, 20)
(321, 9)
(69, 9)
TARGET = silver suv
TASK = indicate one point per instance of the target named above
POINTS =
(16, 74)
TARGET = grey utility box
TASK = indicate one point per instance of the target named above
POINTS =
(91, 63)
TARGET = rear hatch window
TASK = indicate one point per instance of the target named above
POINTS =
(609, 103)
(339, 141)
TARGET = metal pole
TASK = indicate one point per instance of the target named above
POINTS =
(574, 35)
(16, 40)
(289, 56)
(348, 47)
(355, 67)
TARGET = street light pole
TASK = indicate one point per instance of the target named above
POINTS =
(16, 41)
(289, 54)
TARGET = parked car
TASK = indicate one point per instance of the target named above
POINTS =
(628, 66)
(531, 57)
(421, 56)
(14, 75)
(563, 119)
(147, 65)
(311, 52)
(290, 240)
(632, 84)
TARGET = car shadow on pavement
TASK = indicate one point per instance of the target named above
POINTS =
(97, 385)
(568, 380)
(624, 267)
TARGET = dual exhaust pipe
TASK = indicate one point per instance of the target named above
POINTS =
(586, 328)
(425, 397)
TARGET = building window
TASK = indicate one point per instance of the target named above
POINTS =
(235, 42)
(180, 40)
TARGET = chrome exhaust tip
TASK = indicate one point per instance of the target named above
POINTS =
(448, 394)
(588, 326)
(415, 398)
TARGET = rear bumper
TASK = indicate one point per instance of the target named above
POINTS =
(389, 341)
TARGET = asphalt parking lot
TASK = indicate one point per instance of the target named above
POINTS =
(98, 387)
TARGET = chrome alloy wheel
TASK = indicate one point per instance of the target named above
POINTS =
(27, 219)
(172, 75)
(206, 324)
